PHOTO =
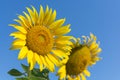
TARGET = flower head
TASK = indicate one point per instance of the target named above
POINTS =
(83, 54)
(41, 38)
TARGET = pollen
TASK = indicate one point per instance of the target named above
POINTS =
(39, 39)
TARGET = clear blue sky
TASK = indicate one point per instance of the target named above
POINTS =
(101, 17)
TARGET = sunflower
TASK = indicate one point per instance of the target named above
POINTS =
(83, 54)
(41, 38)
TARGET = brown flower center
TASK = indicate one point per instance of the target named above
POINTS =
(78, 60)
(40, 40)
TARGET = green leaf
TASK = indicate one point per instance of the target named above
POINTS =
(22, 78)
(42, 75)
(36, 72)
(45, 71)
(15, 72)
(25, 68)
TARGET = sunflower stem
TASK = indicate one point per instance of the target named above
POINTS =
(29, 73)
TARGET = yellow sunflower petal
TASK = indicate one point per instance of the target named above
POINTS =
(29, 19)
(31, 13)
(97, 51)
(64, 38)
(23, 53)
(18, 35)
(87, 73)
(33, 61)
(64, 42)
(92, 36)
(20, 28)
(29, 56)
(57, 24)
(44, 62)
(78, 77)
(83, 77)
(47, 15)
(59, 53)
(52, 17)
(93, 45)
(62, 30)
(35, 14)
(39, 61)
(14, 47)
(64, 61)
(69, 78)
(84, 39)
(47, 10)
(67, 48)
(24, 20)
(31, 65)
(41, 15)
(20, 23)
(53, 59)
(19, 42)
(61, 71)
(62, 76)
(51, 65)
(96, 59)
(34, 58)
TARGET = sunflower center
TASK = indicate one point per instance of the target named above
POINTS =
(78, 60)
(40, 40)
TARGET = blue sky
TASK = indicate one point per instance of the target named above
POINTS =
(101, 17)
